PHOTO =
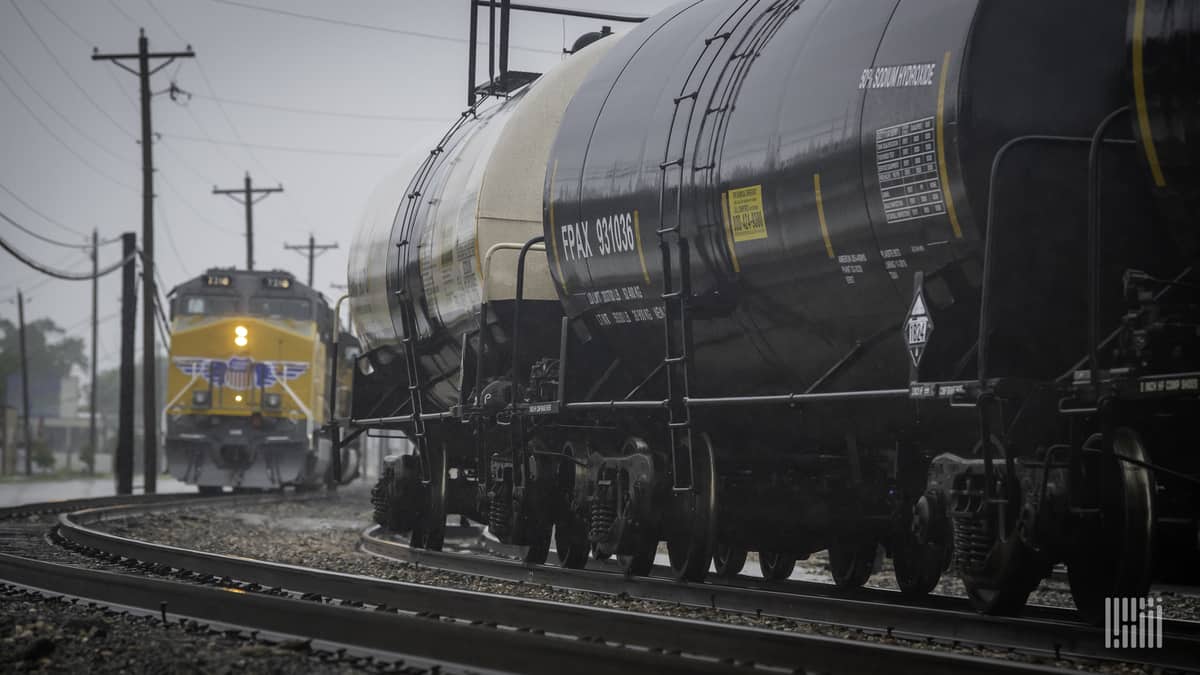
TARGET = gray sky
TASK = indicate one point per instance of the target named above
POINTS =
(75, 160)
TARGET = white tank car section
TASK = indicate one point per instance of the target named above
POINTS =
(491, 194)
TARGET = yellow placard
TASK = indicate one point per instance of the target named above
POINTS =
(746, 217)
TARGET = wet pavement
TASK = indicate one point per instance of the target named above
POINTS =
(14, 493)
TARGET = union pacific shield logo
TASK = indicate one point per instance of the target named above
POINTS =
(240, 373)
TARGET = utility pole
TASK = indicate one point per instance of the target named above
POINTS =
(311, 249)
(95, 327)
(149, 403)
(124, 459)
(25, 384)
(245, 195)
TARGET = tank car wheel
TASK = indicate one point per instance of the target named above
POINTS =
(571, 530)
(852, 563)
(1112, 555)
(598, 555)
(776, 566)
(1006, 601)
(918, 567)
(691, 536)
(430, 530)
(641, 561)
(729, 560)
(921, 548)
(210, 490)
(571, 543)
(539, 550)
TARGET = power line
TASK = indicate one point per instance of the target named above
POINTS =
(62, 142)
(66, 72)
(154, 8)
(133, 22)
(284, 148)
(59, 274)
(212, 91)
(88, 43)
(44, 216)
(364, 26)
(191, 207)
(170, 241)
(42, 279)
(287, 197)
(324, 113)
(35, 235)
(237, 166)
(104, 319)
(58, 112)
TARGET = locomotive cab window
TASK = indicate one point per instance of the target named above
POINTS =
(207, 305)
(282, 308)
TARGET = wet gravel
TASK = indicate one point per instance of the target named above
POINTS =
(1052, 592)
(324, 534)
(51, 635)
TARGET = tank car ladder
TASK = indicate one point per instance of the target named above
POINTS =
(677, 325)
(408, 321)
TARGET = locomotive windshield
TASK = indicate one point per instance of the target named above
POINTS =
(210, 305)
(282, 308)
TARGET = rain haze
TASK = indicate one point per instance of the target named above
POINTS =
(322, 98)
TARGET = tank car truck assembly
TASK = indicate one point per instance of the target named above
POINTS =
(911, 278)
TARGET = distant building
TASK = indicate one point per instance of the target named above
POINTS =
(55, 419)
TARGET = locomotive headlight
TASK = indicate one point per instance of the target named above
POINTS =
(272, 401)
(238, 398)
(240, 336)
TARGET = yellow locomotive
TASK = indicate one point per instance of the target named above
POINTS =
(249, 381)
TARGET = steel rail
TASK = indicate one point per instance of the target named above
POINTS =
(403, 634)
(729, 645)
(1047, 633)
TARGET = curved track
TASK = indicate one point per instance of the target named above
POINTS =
(1043, 632)
(505, 633)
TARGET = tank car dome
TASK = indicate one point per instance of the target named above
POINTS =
(590, 37)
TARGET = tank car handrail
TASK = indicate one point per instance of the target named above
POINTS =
(537, 243)
(797, 398)
(485, 297)
(989, 234)
(1095, 246)
(615, 405)
(774, 399)
(400, 419)
(487, 261)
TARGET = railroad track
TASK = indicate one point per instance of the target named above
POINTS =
(1045, 632)
(503, 633)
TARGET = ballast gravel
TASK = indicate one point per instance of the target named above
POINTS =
(52, 635)
(324, 534)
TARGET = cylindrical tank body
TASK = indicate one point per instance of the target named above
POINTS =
(1164, 63)
(815, 155)
(432, 224)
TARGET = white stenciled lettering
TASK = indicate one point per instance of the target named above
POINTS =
(611, 235)
(889, 77)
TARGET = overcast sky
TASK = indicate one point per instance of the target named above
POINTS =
(390, 73)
